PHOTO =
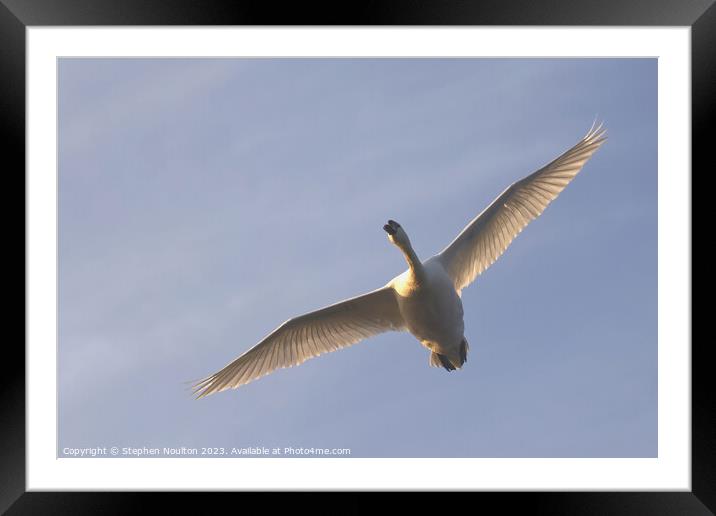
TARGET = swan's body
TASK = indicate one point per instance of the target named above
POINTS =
(425, 299)
(432, 311)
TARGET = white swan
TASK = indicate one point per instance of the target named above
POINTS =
(425, 299)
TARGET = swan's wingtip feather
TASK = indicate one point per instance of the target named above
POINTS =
(594, 122)
(596, 131)
(203, 387)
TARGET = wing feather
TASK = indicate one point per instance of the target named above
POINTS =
(489, 234)
(331, 328)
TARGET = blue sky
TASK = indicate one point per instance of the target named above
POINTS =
(203, 202)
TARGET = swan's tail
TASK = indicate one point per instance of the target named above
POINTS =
(451, 363)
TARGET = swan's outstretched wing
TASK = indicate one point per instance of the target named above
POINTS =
(487, 236)
(309, 335)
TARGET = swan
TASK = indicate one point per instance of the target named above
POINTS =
(425, 299)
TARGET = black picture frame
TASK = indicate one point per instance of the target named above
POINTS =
(17, 15)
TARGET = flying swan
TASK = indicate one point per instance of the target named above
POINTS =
(425, 299)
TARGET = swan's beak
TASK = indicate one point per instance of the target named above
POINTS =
(391, 227)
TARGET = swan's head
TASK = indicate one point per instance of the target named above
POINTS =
(396, 234)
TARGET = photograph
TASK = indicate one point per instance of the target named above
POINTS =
(357, 257)
(437, 250)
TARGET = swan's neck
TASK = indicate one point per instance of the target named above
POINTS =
(416, 266)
